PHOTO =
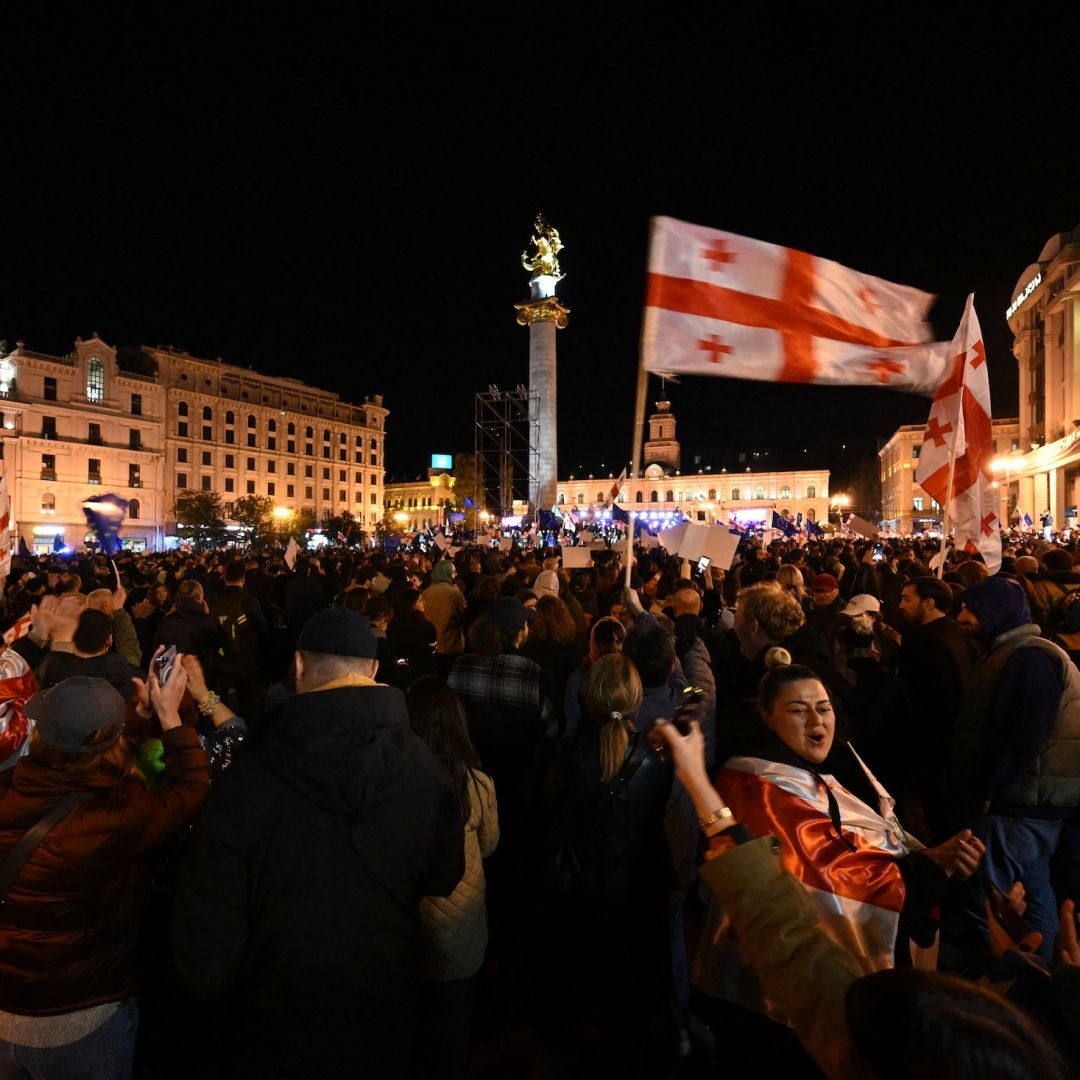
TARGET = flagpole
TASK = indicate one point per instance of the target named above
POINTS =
(635, 462)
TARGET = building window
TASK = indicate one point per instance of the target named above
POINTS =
(373, 499)
(343, 496)
(342, 474)
(229, 485)
(290, 468)
(230, 436)
(48, 466)
(325, 435)
(207, 458)
(181, 429)
(712, 493)
(654, 496)
(271, 466)
(50, 388)
(309, 471)
(93, 434)
(251, 421)
(290, 446)
(251, 439)
(271, 442)
(374, 459)
(326, 451)
(669, 496)
(181, 453)
(207, 413)
(93, 471)
(358, 497)
(207, 433)
(326, 494)
(309, 433)
(374, 445)
(206, 483)
(251, 487)
(230, 418)
(134, 439)
(309, 449)
(291, 429)
(250, 464)
(230, 461)
(181, 408)
(638, 497)
(95, 378)
(785, 492)
(48, 503)
(271, 425)
(48, 427)
(290, 491)
(309, 493)
(343, 455)
(181, 480)
(918, 504)
(133, 476)
(916, 451)
(811, 491)
(736, 493)
(358, 457)
(270, 488)
(133, 509)
(136, 404)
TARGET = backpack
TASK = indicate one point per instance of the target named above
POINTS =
(237, 632)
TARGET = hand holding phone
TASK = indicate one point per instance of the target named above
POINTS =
(164, 664)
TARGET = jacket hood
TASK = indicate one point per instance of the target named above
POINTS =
(442, 571)
(999, 603)
(346, 750)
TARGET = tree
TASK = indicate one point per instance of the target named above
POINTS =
(254, 514)
(200, 518)
(336, 526)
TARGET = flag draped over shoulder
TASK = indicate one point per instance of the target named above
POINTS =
(960, 424)
(721, 304)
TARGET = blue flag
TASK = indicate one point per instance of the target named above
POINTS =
(782, 524)
(469, 504)
(1028, 521)
(814, 529)
(391, 544)
(619, 514)
(105, 515)
(798, 520)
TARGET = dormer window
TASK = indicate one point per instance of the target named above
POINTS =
(95, 379)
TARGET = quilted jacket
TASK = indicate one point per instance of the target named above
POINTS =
(455, 926)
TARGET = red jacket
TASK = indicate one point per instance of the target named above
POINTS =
(68, 926)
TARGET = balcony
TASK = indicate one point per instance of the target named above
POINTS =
(135, 482)
(48, 474)
(94, 478)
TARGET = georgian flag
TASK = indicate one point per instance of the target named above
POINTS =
(722, 304)
(959, 426)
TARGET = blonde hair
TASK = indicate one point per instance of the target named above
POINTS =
(776, 611)
(790, 579)
(613, 696)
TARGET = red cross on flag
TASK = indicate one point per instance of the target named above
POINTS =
(960, 427)
(720, 304)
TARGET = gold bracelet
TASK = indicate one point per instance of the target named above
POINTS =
(723, 814)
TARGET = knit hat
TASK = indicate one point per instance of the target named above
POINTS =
(999, 603)
(67, 713)
(824, 582)
(509, 614)
(340, 632)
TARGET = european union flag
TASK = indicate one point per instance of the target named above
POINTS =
(105, 515)
(469, 504)
(814, 529)
(782, 524)
(1028, 521)
(619, 514)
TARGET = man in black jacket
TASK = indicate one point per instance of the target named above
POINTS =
(299, 902)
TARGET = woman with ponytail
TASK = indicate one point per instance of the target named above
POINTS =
(607, 866)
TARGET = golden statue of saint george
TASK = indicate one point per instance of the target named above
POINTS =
(544, 261)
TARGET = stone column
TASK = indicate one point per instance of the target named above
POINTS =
(1026, 497)
(543, 392)
(1057, 497)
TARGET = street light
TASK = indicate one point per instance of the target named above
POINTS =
(282, 513)
(839, 501)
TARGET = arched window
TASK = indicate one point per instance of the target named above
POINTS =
(599, 496)
(309, 432)
(292, 428)
(271, 425)
(48, 503)
(133, 509)
(654, 496)
(811, 514)
(207, 413)
(638, 497)
(736, 494)
(359, 442)
(343, 438)
(669, 496)
(581, 498)
(95, 378)
(374, 444)
(251, 420)
(562, 499)
(326, 435)
(230, 417)
(785, 492)
(181, 408)
(712, 493)
(759, 491)
(811, 491)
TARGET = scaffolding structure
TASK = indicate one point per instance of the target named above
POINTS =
(506, 449)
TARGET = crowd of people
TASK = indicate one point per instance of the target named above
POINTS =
(471, 813)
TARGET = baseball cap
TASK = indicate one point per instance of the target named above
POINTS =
(66, 714)
(825, 581)
(861, 604)
(509, 614)
(340, 632)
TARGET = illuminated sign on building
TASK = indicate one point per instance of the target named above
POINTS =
(1025, 292)
(442, 461)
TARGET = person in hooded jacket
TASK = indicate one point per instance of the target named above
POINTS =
(299, 904)
(1016, 750)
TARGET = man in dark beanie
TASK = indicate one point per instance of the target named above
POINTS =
(298, 907)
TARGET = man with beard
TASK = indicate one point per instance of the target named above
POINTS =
(936, 658)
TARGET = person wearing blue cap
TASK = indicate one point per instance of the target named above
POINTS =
(1016, 750)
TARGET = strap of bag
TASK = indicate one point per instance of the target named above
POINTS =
(34, 835)
(630, 765)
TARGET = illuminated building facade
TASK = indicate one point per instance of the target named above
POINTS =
(158, 421)
(413, 505)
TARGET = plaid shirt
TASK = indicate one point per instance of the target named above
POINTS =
(507, 679)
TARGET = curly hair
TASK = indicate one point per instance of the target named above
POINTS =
(775, 610)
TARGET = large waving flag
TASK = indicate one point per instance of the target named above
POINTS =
(721, 304)
(5, 529)
(960, 426)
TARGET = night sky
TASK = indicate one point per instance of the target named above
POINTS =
(346, 202)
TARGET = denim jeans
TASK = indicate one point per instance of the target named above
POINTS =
(1020, 849)
(107, 1053)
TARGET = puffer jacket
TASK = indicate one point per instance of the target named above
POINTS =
(68, 926)
(455, 926)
